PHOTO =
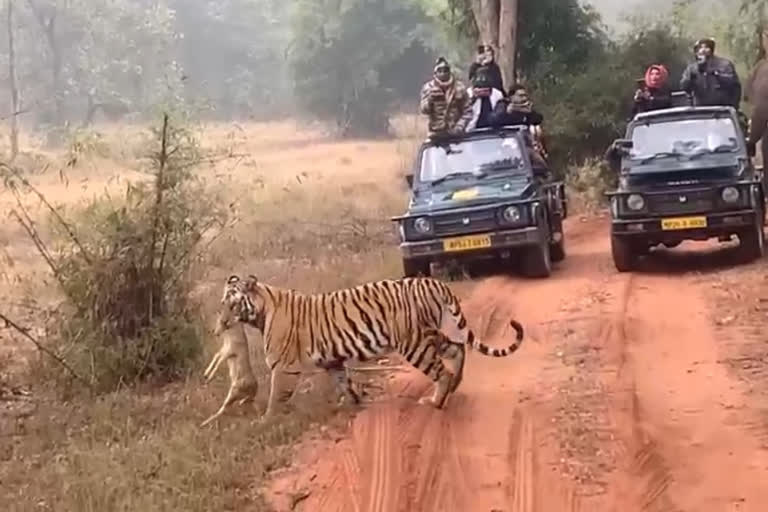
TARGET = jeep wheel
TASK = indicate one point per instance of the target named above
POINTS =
(557, 250)
(624, 257)
(416, 268)
(752, 240)
(537, 261)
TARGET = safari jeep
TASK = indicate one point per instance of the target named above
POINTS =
(684, 174)
(478, 196)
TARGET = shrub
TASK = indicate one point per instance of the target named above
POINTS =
(124, 266)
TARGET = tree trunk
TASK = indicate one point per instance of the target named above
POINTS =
(507, 58)
(48, 25)
(13, 85)
(486, 14)
(496, 22)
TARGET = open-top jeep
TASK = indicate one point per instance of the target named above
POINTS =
(479, 195)
(685, 173)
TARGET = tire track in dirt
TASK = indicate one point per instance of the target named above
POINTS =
(522, 449)
(687, 430)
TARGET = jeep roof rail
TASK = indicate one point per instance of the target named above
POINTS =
(476, 132)
(673, 111)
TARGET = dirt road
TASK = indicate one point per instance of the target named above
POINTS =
(642, 391)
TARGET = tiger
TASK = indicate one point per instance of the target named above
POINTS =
(407, 316)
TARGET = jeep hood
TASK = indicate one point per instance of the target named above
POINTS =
(671, 173)
(428, 200)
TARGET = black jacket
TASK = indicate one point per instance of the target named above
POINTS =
(714, 83)
(500, 116)
(658, 99)
(494, 75)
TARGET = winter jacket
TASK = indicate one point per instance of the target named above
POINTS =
(451, 111)
(716, 83)
(494, 74)
(657, 99)
(482, 108)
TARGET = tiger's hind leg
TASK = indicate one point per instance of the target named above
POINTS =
(454, 352)
(423, 352)
(341, 379)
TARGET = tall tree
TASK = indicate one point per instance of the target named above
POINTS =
(496, 22)
(12, 83)
(46, 14)
(341, 54)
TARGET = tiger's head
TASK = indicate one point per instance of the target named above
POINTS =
(240, 302)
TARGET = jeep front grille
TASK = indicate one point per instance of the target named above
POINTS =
(682, 202)
(472, 222)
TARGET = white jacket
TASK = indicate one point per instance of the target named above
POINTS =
(496, 95)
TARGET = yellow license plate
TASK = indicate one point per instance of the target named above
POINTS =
(683, 223)
(467, 243)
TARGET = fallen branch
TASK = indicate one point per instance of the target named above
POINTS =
(40, 347)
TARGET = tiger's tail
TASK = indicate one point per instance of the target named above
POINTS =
(495, 352)
(469, 337)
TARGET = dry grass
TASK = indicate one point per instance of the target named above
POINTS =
(314, 214)
(586, 185)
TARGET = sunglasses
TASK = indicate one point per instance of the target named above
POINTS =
(443, 69)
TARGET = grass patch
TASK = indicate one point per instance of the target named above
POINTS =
(135, 451)
(314, 218)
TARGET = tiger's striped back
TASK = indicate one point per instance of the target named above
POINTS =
(411, 316)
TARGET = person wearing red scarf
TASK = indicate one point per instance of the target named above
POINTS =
(653, 93)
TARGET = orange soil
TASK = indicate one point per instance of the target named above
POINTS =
(617, 401)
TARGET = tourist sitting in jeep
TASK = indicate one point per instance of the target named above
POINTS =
(653, 93)
(518, 109)
(484, 98)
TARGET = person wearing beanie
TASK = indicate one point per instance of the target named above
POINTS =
(445, 100)
(654, 93)
(484, 97)
(712, 80)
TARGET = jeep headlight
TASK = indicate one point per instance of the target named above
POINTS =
(422, 225)
(730, 194)
(635, 202)
(511, 214)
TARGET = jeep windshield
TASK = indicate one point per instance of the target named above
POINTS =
(682, 139)
(471, 159)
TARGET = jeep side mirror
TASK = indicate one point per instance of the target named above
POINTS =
(624, 144)
(409, 180)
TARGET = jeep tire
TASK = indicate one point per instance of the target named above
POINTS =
(537, 259)
(624, 256)
(557, 249)
(752, 239)
(416, 268)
